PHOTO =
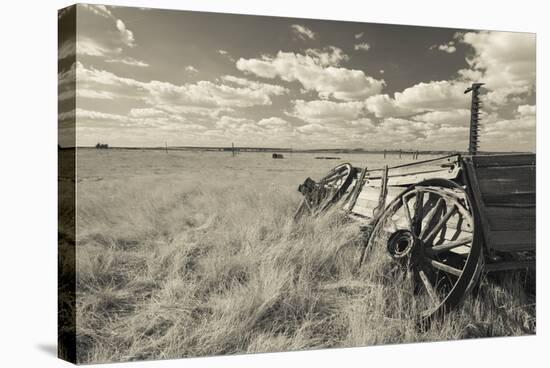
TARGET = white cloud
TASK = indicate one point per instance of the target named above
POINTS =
(302, 32)
(322, 111)
(228, 122)
(504, 61)
(147, 112)
(516, 134)
(362, 122)
(100, 10)
(275, 124)
(226, 54)
(272, 89)
(88, 46)
(191, 69)
(98, 115)
(128, 61)
(450, 117)
(448, 47)
(201, 94)
(385, 106)
(126, 34)
(406, 129)
(527, 110)
(328, 56)
(312, 72)
(241, 127)
(136, 119)
(440, 95)
(358, 35)
(361, 46)
(90, 93)
(312, 129)
(433, 95)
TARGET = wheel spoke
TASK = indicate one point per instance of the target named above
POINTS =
(417, 219)
(436, 249)
(429, 287)
(445, 268)
(333, 176)
(407, 212)
(430, 216)
(439, 225)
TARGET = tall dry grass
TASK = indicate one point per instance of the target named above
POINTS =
(194, 267)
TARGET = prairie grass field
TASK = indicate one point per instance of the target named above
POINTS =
(184, 254)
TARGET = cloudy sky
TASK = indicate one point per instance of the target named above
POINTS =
(147, 76)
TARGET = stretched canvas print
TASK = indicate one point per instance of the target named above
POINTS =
(235, 184)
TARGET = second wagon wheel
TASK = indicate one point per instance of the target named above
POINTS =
(430, 229)
(327, 191)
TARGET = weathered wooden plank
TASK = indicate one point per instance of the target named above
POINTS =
(366, 203)
(369, 193)
(507, 266)
(503, 186)
(503, 199)
(414, 178)
(372, 193)
(383, 193)
(510, 220)
(505, 160)
(510, 212)
(437, 164)
(518, 240)
(357, 187)
(525, 172)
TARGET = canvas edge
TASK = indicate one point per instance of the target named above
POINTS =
(66, 298)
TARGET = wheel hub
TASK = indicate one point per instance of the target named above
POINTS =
(403, 245)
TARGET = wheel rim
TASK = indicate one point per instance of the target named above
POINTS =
(430, 229)
(330, 189)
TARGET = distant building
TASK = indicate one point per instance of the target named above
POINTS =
(277, 155)
(102, 146)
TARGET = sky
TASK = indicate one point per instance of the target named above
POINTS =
(150, 77)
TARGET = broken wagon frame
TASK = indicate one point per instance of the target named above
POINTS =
(445, 219)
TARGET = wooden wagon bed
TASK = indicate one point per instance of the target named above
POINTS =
(503, 187)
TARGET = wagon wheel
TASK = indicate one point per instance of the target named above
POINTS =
(430, 229)
(328, 191)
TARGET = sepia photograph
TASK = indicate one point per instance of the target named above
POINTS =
(234, 184)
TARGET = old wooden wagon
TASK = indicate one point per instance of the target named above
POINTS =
(445, 219)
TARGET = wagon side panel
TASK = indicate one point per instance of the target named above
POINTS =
(504, 188)
(367, 202)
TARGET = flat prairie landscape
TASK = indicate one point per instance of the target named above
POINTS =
(195, 253)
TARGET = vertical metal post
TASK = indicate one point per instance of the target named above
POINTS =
(474, 118)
